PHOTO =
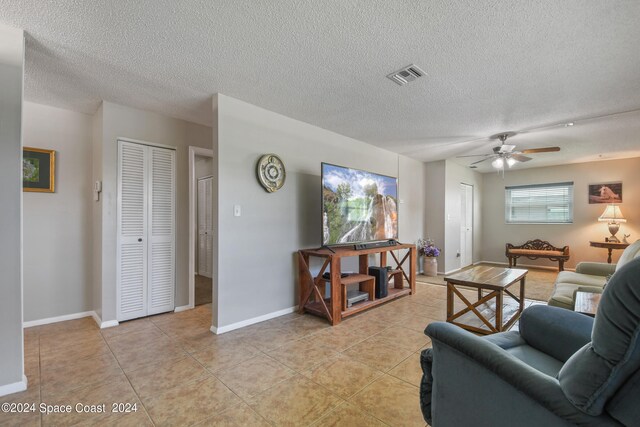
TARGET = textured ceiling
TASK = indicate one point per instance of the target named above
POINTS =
(492, 66)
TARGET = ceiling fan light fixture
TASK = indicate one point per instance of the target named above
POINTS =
(498, 163)
(511, 161)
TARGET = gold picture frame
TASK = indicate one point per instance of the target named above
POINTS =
(38, 170)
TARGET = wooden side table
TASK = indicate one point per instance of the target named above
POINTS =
(587, 303)
(610, 246)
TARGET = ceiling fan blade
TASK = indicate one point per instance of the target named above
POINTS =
(475, 155)
(520, 157)
(540, 150)
(506, 148)
(479, 161)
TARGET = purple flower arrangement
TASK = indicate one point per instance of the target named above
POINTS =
(428, 248)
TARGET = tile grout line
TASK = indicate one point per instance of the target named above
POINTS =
(128, 380)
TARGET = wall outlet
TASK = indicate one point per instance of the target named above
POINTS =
(237, 210)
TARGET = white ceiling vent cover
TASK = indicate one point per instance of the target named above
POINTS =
(407, 74)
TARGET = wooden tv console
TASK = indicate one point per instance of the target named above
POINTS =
(312, 289)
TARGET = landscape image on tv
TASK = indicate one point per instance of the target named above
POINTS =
(357, 206)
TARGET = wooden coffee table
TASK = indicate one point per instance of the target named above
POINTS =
(497, 280)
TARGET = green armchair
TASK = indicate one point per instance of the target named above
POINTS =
(562, 368)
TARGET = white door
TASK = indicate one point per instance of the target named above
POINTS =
(146, 230)
(205, 227)
(466, 225)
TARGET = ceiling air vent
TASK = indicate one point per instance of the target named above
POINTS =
(407, 74)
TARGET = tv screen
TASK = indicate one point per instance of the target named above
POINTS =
(357, 206)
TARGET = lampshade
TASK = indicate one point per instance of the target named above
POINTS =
(498, 163)
(612, 214)
(511, 161)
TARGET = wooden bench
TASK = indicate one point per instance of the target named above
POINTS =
(534, 249)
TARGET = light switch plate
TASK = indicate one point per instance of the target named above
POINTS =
(237, 210)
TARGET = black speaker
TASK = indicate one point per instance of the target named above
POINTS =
(380, 274)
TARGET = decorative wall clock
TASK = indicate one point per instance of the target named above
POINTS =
(271, 173)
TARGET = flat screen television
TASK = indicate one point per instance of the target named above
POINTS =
(357, 206)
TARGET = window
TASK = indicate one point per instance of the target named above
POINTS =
(539, 204)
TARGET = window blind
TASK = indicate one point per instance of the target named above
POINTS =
(539, 204)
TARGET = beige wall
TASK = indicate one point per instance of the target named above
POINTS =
(442, 210)
(257, 268)
(585, 226)
(56, 281)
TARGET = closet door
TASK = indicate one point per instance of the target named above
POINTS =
(161, 258)
(146, 230)
(132, 226)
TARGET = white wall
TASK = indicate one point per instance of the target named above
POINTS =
(585, 225)
(11, 337)
(120, 121)
(57, 226)
(257, 264)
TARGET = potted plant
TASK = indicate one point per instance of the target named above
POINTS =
(430, 252)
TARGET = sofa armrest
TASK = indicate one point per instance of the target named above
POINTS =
(595, 268)
(555, 331)
(504, 375)
(592, 289)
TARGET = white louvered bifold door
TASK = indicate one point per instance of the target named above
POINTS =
(162, 255)
(205, 227)
(132, 226)
(146, 230)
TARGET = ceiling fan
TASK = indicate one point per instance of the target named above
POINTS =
(504, 154)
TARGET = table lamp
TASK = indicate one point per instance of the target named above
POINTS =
(614, 217)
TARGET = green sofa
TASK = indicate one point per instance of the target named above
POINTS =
(589, 276)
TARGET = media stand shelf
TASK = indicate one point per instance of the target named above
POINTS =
(312, 289)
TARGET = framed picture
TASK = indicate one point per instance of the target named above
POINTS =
(38, 170)
(608, 192)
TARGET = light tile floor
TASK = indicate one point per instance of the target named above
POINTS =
(295, 370)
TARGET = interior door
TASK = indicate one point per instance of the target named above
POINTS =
(466, 225)
(205, 227)
(161, 190)
(132, 228)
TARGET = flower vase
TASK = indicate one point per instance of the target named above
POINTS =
(430, 266)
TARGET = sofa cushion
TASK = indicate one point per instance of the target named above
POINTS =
(595, 372)
(536, 359)
(580, 279)
(563, 295)
(632, 252)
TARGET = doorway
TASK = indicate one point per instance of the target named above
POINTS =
(204, 239)
(201, 222)
(466, 225)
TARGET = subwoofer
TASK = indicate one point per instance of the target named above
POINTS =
(380, 274)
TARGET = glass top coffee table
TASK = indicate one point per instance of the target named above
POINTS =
(495, 280)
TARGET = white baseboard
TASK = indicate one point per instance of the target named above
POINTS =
(242, 324)
(183, 308)
(14, 387)
(539, 267)
(109, 324)
(32, 323)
